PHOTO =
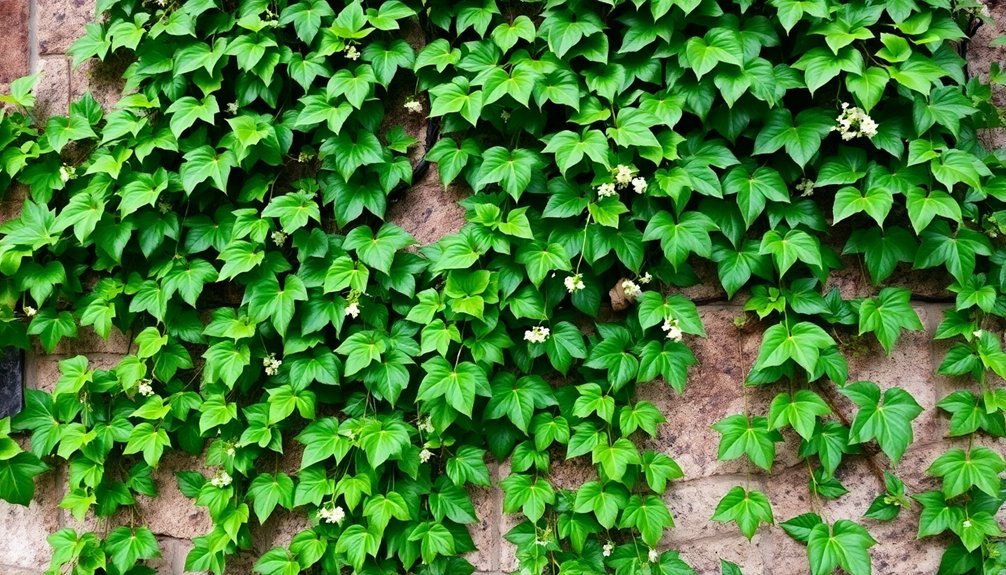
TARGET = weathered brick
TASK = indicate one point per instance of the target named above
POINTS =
(704, 555)
(171, 513)
(25, 529)
(43, 371)
(14, 40)
(52, 92)
(427, 210)
(61, 22)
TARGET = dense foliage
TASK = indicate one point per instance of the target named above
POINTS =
(229, 214)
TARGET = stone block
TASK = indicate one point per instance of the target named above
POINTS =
(43, 371)
(25, 529)
(14, 44)
(427, 210)
(102, 79)
(704, 555)
(692, 504)
(61, 22)
(171, 513)
(488, 503)
(52, 92)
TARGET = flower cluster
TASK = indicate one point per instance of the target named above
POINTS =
(607, 549)
(425, 424)
(623, 175)
(672, 329)
(645, 278)
(574, 283)
(854, 122)
(146, 389)
(414, 106)
(352, 53)
(271, 364)
(639, 185)
(278, 238)
(334, 514)
(66, 173)
(806, 188)
(164, 206)
(606, 190)
(631, 289)
(221, 479)
(425, 455)
(30, 311)
(232, 108)
(537, 334)
(653, 556)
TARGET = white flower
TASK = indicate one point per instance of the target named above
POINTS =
(623, 175)
(164, 206)
(805, 187)
(631, 289)
(232, 108)
(221, 479)
(66, 173)
(30, 311)
(605, 190)
(271, 364)
(966, 524)
(278, 238)
(332, 514)
(854, 122)
(352, 53)
(353, 309)
(426, 425)
(672, 329)
(639, 185)
(574, 283)
(977, 333)
(505, 116)
(537, 334)
(231, 451)
(145, 388)
(414, 106)
(647, 278)
(653, 556)
(425, 455)
(607, 549)
(162, 3)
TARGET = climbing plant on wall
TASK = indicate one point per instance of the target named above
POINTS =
(229, 213)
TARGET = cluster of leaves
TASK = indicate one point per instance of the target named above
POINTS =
(229, 214)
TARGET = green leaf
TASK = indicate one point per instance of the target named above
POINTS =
(844, 544)
(802, 343)
(125, 546)
(799, 409)
(748, 509)
(528, 494)
(801, 138)
(786, 250)
(742, 435)
(961, 470)
(888, 419)
(887, 314)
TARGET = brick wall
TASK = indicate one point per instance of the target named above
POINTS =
(36, 35)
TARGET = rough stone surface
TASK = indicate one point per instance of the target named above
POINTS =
(171, 513)
(14, 40)
(427, 210)
(61, 22)
(25, 529)
(52, 92)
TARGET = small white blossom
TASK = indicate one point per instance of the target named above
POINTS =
(631, 289)
(639, 185)
(805, 187)
(30, 311)
(605, 190)
(540, 542)
(353, 309)
(607, 549)
(537, 334)
(164, 206)
(505, 116)
(332, 514)
(653, 556)
(66, 173)
(646, 278)
(278, 238)
(425, 455)
(271, 364)
(623, 175)
(966, 524)
(221, 479)
(414, 106)
(672, 329)
(162, 3)
(231, 451)
(145, 388)
(232, 108)
(425, 425)
(854, 122)
(574, 283)
(352, 53)
(977, 333)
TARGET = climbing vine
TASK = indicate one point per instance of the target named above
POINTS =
(229, 214)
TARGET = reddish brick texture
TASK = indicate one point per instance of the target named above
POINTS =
(14, 48)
